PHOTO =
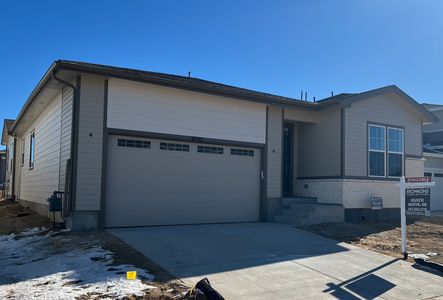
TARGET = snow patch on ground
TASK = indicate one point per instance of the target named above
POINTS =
(39, 265)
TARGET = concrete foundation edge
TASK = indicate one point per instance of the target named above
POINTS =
(83, 220)
(354, 215)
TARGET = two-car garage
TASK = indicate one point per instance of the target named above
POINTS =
(164, 182)
(181, 157)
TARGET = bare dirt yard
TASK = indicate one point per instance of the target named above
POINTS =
(423, 236)
(40, 263)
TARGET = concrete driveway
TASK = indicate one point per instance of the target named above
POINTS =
(276, 261)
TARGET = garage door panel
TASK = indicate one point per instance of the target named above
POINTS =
(195, 184)
(196, 204)
(152, 186)
(183, 217)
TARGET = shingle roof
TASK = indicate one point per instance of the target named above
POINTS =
(433, 138)
(182, 81)
(205, 86)
(337, 97)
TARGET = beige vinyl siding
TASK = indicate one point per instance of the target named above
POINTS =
(37, 184)
(301, 115)
(90, 143)
(17, 166)
(274, 147)
(387, 109)
(414, 167)
(319, 145)
(145, 107)
(65, 136)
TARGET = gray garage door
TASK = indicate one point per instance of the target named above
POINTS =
(161, 182)
(437, 190)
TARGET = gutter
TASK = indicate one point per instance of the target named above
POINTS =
(116, 73)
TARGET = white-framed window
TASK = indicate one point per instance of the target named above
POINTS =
(385, 151)
(32, 150)
(23, 153)
(377, 150)
(395, 152)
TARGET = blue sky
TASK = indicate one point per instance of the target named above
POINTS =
(280, 47)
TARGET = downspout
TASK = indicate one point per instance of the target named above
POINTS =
(73, 133)
(13, 168)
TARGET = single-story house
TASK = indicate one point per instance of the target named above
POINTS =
(137, 148)
(433, 154)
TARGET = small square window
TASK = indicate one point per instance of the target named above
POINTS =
(130, 143)
(121, 143)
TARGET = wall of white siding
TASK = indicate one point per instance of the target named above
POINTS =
(90, 143)
(151, 108)
(319, 145)
(274, 160)
(390, 109)
(37, 184)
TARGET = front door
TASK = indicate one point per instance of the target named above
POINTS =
(288, 162)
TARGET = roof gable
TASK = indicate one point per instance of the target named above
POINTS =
(351, 98)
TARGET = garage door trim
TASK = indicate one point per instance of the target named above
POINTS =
(195, 140)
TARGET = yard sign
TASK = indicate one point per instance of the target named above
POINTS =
(415, 194)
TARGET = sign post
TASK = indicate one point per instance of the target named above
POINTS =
(415, 200)
(403, 216)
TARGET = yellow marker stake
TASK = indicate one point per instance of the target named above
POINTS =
(131, 275)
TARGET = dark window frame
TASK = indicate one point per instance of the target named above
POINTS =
(23, 145)
(210, 149)
(133, 143)
(386, 151)
(32, 143)
(242, 152)
(175, 147)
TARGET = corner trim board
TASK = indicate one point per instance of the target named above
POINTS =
(104, 159)
(74, 141)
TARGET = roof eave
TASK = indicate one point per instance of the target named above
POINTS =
(34, 94)
(158, 81)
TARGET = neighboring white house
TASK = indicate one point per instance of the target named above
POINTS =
(433, 153)
(137, 148)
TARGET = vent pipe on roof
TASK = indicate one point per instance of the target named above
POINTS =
(301, 95)
(332, 94)
(314, 99)
(189, 73)
(306, 96)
